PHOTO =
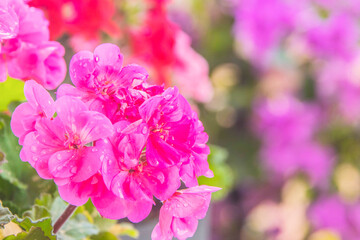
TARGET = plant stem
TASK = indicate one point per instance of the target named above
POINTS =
(65, 216)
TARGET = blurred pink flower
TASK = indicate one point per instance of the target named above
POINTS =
(167, 51)
(9, 21)
(83, 20)
(29, 54)
(191, 70)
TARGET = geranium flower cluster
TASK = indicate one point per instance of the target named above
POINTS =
(118, 140)
(25, 49)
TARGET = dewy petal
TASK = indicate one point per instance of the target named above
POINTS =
(67, 109)
(88, 163)
(157, 234)
(162, 182)
(192, 201)
(138, 210)
(82, 66)
(108, 54)
(37, 155)
(76, 193)
(132, 72)
(184, 227)
(63, 164)
(68, 90)
(108, 205)
(39, 97)
(23, 120)
(93, 126)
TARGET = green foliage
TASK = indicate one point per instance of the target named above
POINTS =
(223, 174)
(11, 90)
(35, 233)
(43, 224)
(104, 236)
(20, 184)
(5, 215)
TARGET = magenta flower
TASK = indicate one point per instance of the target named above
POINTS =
(180, 214)
(57, 149)
(129, 175)
(196, 164)
(169, 119)
(27, 52)
(100, 79)
(108, 204)
(39, 105)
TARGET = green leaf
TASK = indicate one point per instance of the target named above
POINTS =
(11, 90)
(44, 224)
(223, 174)
(37, 212)
(35, 233)
(45, 200)
(104, 236)
(5, 216)
(20, 184)
(77, 228)
(10, 148)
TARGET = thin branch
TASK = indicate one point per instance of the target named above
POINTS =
(65, 216)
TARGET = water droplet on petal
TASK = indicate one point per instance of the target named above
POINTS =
(73, 170)
(144, 130)
(96, 58)
(58, 156)
(168, 97)
(94, 150)
(33, 148)
(94, 180)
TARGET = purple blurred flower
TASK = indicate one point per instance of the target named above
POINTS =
(334, 214)
(261, 25)
(287, 128)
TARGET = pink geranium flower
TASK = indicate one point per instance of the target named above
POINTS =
(129, 175)
(102, 82)
(39, 105)
(57, 149)
(169, 118)
(180, 214)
